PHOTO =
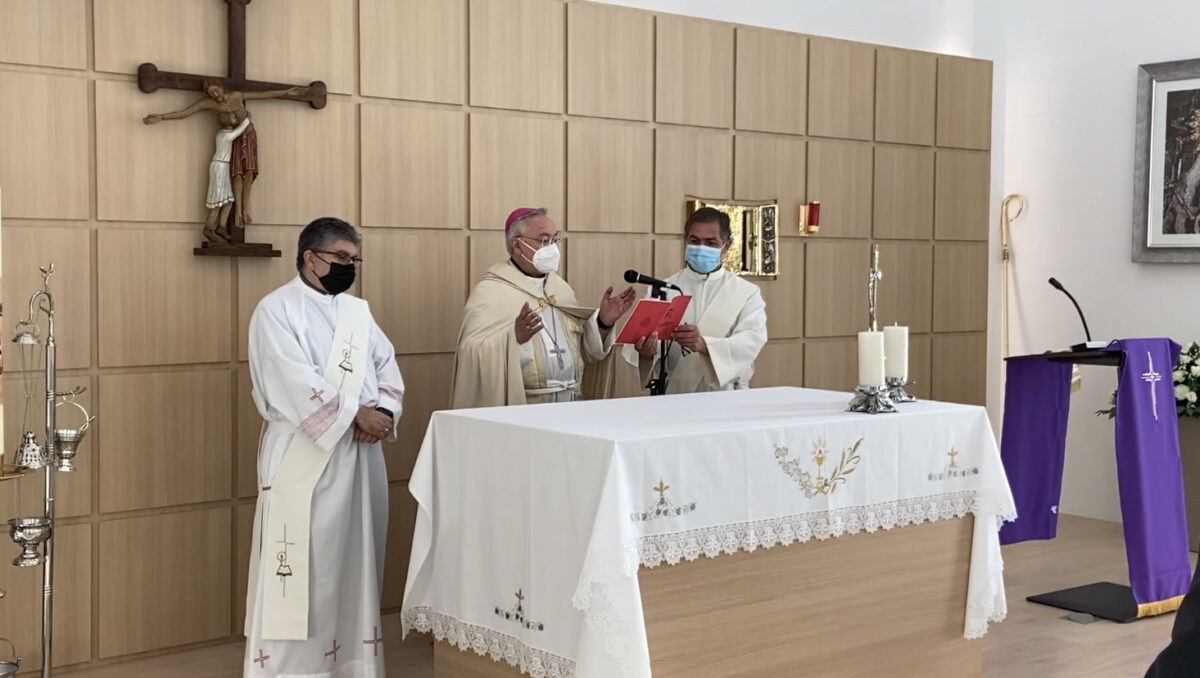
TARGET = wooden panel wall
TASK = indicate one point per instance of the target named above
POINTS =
(443, 116)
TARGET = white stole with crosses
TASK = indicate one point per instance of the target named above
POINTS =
(288, 533)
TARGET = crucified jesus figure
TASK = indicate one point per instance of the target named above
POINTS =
(243, 165)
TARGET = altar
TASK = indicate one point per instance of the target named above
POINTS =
(567, 539)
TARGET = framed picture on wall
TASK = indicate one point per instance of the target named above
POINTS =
(1166, 178)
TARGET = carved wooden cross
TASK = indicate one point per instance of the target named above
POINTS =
(150, 79)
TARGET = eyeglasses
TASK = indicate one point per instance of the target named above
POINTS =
(544, 242)
(340, 258)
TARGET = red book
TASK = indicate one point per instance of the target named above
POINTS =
(654, 316)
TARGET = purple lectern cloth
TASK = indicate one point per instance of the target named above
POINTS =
(1150, 475)
(1037, 399)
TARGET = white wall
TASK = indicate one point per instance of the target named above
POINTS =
(1069, 124)
(945, 26)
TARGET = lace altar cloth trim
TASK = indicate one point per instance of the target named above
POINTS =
(712, 541)
(488, 643)
(654, 550)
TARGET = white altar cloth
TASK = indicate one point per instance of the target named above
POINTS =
(532, 521)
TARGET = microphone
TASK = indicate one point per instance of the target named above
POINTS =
(635, 278)
(1087, 333)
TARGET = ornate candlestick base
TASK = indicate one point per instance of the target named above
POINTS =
(872, 400)
(896, 392)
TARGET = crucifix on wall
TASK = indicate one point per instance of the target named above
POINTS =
(234, 165)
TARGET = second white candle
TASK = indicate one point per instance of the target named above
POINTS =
(895, 348)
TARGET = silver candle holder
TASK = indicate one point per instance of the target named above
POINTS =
(872, 400)
(895, 387)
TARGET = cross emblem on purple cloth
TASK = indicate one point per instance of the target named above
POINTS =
(1151, 377)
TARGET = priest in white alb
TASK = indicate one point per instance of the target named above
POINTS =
(724, 327)
(524, 337)
(326, 382)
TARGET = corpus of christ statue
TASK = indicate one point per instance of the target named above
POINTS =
(234, 164)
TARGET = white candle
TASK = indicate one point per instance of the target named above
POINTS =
(870, 359)
(895, 348)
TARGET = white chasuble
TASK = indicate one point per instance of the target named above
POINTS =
(316, 566)
(492, 369)
(731, 316)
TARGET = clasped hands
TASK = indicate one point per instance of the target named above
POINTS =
(371, 425)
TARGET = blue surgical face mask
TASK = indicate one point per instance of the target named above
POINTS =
(703, 259)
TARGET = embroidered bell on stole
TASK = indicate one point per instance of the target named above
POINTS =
(284, 569)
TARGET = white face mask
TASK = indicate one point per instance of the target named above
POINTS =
(545, 260)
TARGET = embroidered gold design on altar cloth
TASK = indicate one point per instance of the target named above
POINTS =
(662, 507)
(516, 613)
(820, 484)
(953, 469)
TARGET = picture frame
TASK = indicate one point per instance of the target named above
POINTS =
(1166, 177)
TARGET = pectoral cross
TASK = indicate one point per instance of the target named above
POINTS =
(558, 353)
(150, 79)
(1152, 378)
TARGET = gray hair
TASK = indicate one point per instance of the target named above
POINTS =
(320, 234)
(518, 226)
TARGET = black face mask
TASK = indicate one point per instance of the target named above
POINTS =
(339, 278)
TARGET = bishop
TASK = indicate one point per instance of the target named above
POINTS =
(524, 337)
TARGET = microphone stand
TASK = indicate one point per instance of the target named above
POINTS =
(1088, 344)
(658, 385)
(1086, 332)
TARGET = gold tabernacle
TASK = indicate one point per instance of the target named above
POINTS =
(754, 242)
